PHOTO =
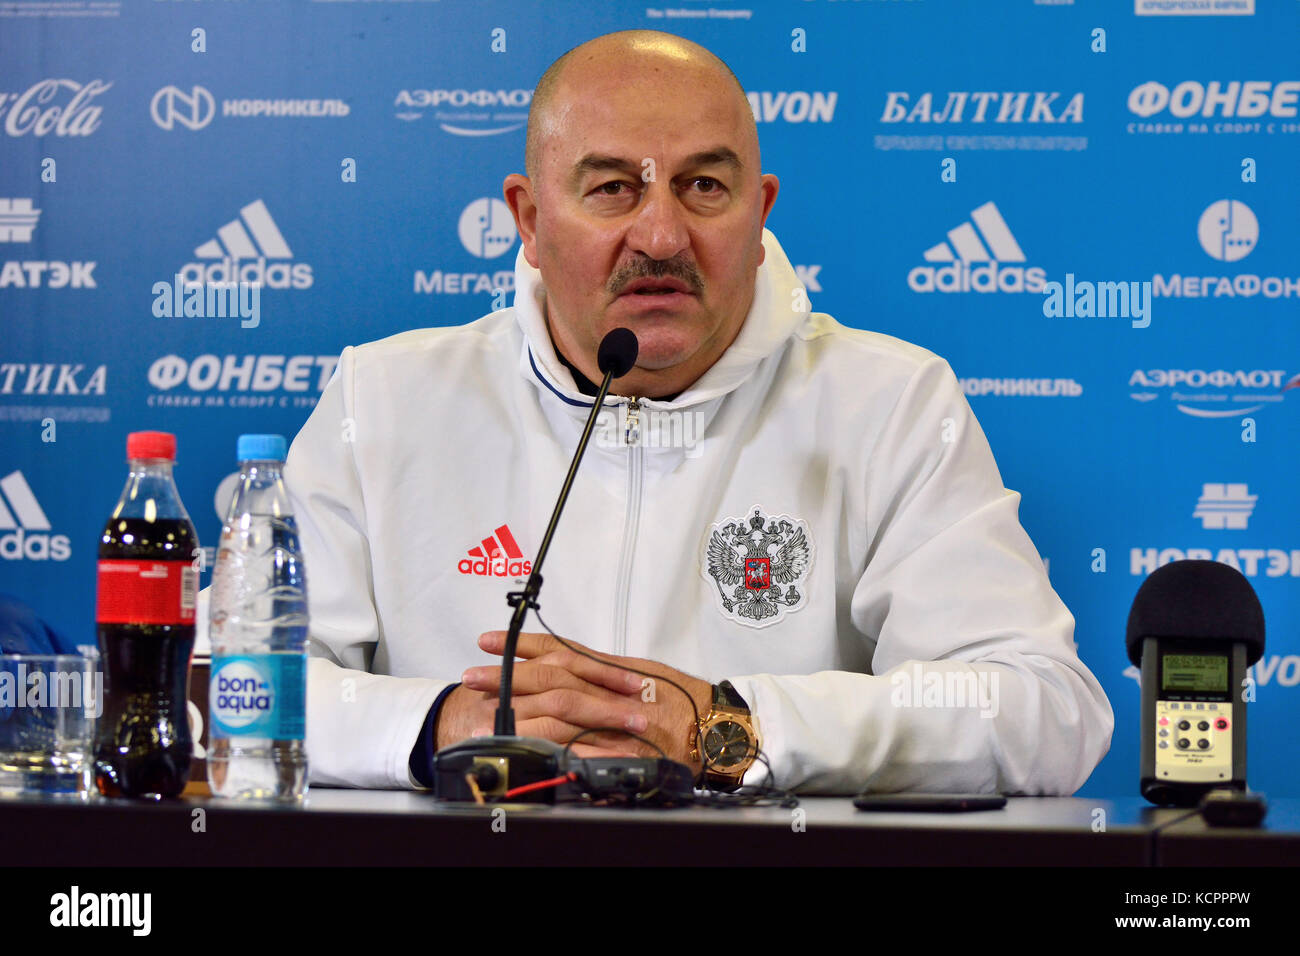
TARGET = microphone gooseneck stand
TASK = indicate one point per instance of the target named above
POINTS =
(505, 761)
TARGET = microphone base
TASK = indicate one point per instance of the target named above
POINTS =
(498, 764)
(1166, 793)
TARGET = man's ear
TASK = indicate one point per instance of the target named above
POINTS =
(769, 187)
(518, 192)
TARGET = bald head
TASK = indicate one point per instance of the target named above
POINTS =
(650, 50)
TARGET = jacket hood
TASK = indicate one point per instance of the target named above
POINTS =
(772, 319)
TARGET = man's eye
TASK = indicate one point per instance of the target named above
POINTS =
(713, 185)
(610, 188)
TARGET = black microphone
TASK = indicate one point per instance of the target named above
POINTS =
(1194, 629)
(617, 353)
(505, 761)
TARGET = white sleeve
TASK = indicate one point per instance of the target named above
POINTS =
(977, 685)
(361, 727)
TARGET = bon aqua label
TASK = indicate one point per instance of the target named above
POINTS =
(258, 695)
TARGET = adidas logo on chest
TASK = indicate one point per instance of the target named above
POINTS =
(496, 556)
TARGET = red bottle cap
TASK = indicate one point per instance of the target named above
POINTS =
(151, 445)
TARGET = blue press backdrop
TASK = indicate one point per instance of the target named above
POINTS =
(1164, 150)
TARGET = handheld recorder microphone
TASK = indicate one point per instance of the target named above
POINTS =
(1194, 628)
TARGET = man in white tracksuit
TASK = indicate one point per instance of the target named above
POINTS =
(814, 516)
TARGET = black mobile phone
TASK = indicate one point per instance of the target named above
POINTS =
(929, 802)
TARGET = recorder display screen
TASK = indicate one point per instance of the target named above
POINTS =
(1204, 673)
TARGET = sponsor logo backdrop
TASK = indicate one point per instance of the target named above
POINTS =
(946, 174)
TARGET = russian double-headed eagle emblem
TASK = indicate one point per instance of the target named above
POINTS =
(757, 566)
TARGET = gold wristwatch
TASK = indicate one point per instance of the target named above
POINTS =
(729, 739)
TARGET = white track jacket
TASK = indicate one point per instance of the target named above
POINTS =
(818, 519)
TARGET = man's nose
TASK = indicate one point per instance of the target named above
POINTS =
(659, 229)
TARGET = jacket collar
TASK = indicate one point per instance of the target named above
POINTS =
(772, 319)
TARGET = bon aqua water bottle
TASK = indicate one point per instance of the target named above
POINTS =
(258, 629)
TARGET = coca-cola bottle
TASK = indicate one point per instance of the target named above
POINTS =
(148, 582)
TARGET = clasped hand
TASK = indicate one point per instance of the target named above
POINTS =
(558, 694)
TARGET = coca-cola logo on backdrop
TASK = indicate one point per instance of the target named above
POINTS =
(60, 107)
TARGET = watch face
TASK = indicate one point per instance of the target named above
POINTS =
(726, 744)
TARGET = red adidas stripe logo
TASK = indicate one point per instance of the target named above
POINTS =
(496, 557)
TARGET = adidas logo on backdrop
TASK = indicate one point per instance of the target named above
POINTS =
(246, 250)
(976, 252)
(24, 527)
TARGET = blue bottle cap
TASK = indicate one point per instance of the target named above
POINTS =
(260, 448)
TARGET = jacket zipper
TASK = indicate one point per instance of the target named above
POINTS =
(631, 520)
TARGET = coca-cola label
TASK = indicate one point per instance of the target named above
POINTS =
(146, 592)
(42, 110)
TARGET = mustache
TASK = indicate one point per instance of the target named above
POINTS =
(657, 269)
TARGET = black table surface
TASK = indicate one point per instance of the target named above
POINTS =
(378, 827)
